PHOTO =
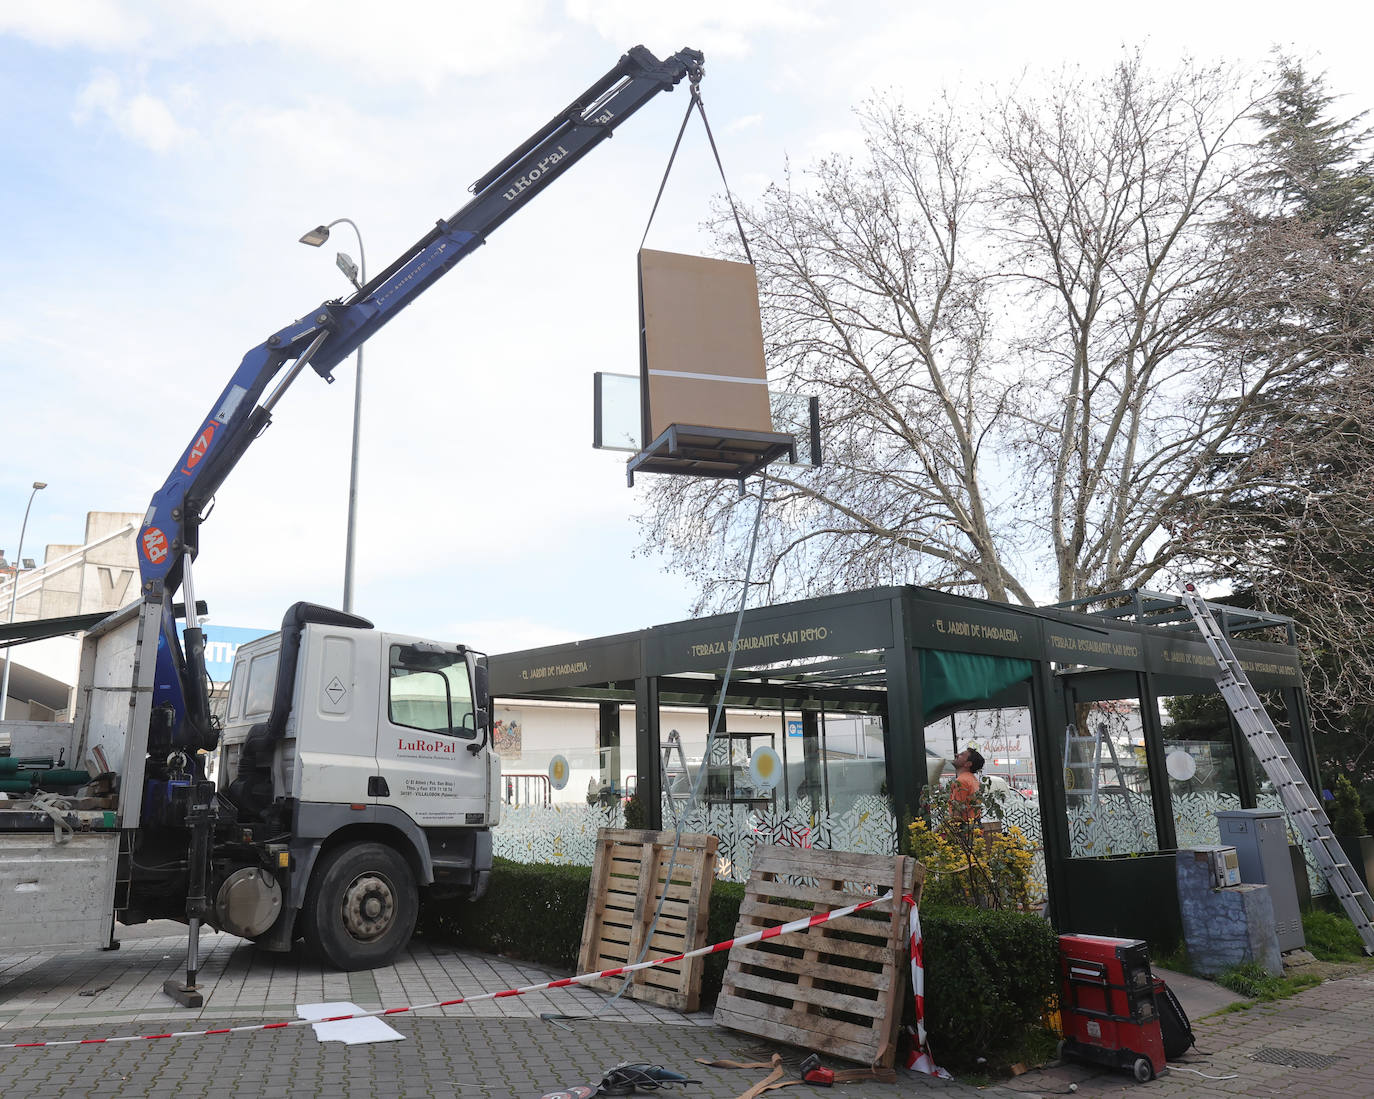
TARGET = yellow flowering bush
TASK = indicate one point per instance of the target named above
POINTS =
(976, 863)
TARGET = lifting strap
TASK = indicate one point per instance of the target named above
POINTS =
(695, 101)
(57, 809)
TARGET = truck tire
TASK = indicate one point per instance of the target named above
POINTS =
(361, 906)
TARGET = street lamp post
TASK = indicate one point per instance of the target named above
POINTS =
(14, 594)
(358, 277)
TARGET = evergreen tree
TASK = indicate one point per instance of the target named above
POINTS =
(1315, 176)
(1292, 519)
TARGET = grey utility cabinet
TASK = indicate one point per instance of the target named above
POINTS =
(1260, 838)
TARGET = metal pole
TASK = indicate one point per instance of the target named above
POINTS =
(315, 238)
(14, 595)
(353, 475)
(357, 427)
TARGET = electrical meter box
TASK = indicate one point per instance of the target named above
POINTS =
(1225, 864)
(1260, 837)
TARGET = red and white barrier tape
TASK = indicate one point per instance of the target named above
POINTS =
(920, 1059)
(756, 936)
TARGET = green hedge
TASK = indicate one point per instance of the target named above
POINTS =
(988, 974)
(532, 911)
(989, 977)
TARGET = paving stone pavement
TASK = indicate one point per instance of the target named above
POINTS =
(503, 1048)
(499, 1048)
(1317, 1043)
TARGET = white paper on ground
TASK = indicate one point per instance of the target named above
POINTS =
(349, 1031)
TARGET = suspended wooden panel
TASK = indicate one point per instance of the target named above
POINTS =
(704, 406)
(701, 355)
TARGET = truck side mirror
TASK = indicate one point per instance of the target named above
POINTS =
(482, 686)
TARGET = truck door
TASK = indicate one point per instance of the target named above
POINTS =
(426, 727)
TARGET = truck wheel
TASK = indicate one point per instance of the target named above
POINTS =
(361, 906)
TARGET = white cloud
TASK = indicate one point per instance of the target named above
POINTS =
(418, 41)
(747, 122)
(140, 117)
(98, 24)
(508, 635)
(719, 28)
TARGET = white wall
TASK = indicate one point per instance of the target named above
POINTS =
(98, 575)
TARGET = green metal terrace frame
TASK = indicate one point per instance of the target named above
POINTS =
(863, 652)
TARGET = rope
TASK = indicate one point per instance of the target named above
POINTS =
(694, 796)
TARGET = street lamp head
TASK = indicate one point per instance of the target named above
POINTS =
(316, 236)
(39, 484)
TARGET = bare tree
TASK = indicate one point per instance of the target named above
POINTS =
(1010, 318)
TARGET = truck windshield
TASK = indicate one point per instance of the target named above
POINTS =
(435, 699)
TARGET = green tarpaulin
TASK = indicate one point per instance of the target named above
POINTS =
(951, 680)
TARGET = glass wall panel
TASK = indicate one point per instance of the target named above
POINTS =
(1199, 756)
(793, 779)
(1004, 739)
(1106, 780)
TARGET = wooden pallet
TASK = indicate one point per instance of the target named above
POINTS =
(837, 987)
(629, 876)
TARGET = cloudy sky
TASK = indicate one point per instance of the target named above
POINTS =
(161, 158)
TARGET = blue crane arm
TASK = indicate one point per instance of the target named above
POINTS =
(168, 539)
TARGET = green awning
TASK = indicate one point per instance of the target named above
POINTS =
(949, 681)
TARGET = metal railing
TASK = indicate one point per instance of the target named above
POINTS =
(528, 789)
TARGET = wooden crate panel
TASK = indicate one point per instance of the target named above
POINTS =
(634, 870)
(822, 988)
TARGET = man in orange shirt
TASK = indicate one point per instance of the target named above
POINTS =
(965, 791)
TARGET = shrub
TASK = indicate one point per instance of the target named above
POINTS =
(533, 911)
(636, 812)
(1331, 937)
(970, 862)
(1346, 817)
(989, 976)
(1251, 981)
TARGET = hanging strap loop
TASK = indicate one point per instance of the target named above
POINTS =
(696, 102)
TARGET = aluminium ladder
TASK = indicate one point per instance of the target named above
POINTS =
(1095, 766)
(1303, 808)
(670, 784)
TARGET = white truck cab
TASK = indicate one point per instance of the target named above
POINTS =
(370, 752)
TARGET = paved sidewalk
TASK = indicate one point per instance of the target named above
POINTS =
(497, 1048)
(1317, 1043)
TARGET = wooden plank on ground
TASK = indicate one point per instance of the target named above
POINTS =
(632, 872)
(836, 987)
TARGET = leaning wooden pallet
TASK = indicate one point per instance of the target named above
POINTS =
(836, 988)
(630, 873)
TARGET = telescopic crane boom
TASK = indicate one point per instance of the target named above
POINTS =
(168, 540)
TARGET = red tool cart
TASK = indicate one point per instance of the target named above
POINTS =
(1107, 1003)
